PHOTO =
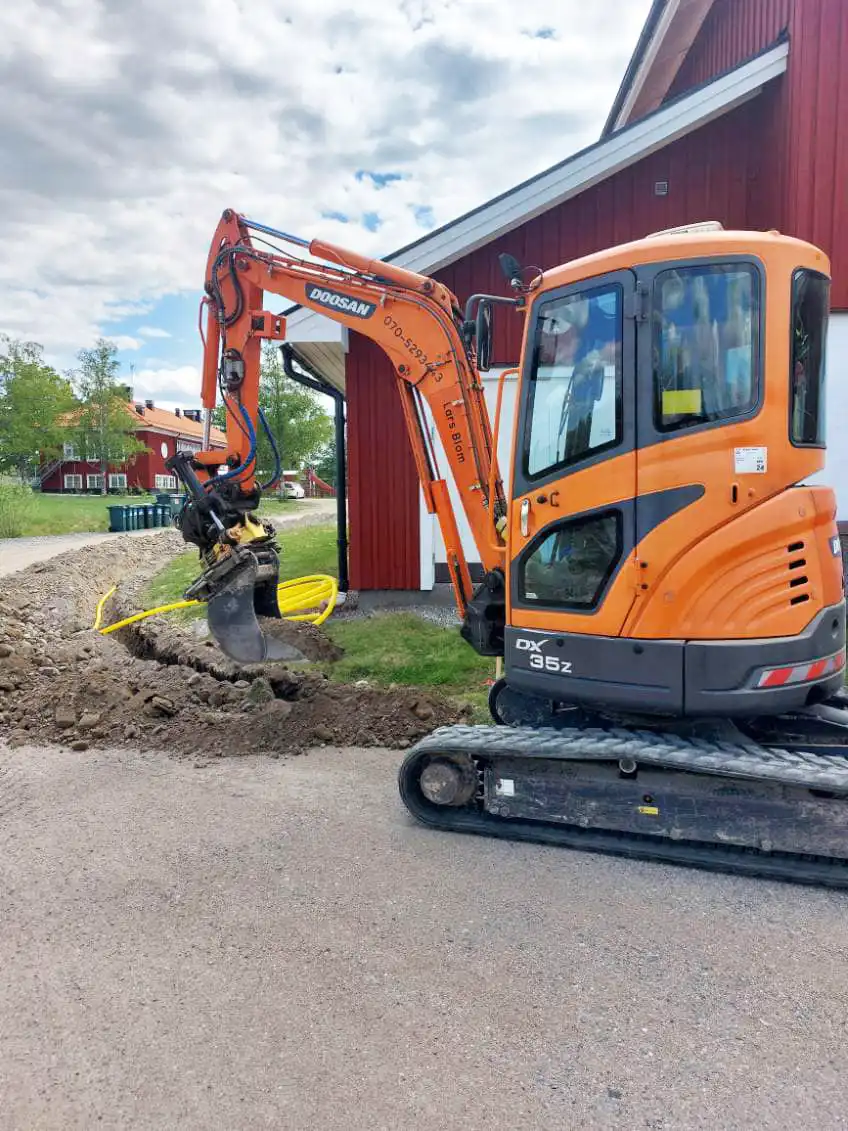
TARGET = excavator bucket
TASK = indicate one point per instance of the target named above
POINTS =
(231, 615)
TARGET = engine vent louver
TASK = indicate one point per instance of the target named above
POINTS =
(796, 579)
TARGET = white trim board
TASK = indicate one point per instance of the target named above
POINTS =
(647, 63)
(574, 176)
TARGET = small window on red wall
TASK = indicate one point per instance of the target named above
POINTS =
(164, 449)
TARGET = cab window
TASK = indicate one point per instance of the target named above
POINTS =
(571, 565)
(574, 408)
(705, 344)
(810, 306)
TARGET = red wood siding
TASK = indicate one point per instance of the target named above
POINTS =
(815, 142)
(804, 152)
(152, 463)
(382, 483)
(712, 174)
(56, 480)
(732, 32)
(141, 470)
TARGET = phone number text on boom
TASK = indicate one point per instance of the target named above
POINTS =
(408, 342)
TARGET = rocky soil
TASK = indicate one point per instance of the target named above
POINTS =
(161, 684)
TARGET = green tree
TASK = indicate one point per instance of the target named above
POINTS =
(301, 427)
(105, 430)
(325, 466)
(33, 399)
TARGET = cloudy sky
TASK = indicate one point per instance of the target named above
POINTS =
(127, 126)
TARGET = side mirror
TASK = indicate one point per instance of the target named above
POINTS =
(511, 269)
(483, 335)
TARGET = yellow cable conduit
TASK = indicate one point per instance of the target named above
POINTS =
(294, 598)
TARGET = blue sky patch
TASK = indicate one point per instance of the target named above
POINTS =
(174, 315)
(378, 179)
(423, 214)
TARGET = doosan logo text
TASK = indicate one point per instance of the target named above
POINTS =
(335, 301)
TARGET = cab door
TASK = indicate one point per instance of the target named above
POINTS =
(702, 444)
(573, 511)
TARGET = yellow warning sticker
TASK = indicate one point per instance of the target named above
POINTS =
(676, 401)
(649, 810)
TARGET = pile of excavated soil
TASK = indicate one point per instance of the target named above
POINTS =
(162, 684)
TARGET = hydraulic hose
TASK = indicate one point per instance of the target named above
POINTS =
(293, 598)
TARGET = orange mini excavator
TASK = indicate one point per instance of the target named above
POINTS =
(662, 580)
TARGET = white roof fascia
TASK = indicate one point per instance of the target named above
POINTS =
(648, 58)
(572, 177)
(305, 325)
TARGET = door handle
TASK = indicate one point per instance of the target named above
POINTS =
(525, 517)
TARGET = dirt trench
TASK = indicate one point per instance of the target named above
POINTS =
(159, 684)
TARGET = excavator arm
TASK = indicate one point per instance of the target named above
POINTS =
(419, 325)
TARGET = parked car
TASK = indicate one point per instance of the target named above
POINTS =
(293, 491)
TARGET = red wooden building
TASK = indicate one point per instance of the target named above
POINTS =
(730, 110)
(161, 431)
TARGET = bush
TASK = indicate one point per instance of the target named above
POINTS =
(13, 510)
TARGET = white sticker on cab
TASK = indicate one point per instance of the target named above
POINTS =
(505, 787)
(750, 461)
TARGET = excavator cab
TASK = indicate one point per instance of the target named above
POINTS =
(667, 551)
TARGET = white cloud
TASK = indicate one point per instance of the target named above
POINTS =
(125, 342)
(170, 388)
(121, 149)
(152, 332)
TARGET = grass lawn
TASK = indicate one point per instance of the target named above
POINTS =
(403, 648)
(311, 549)
(271, 506)
(83, 514)
(73, 514)
(392, 648)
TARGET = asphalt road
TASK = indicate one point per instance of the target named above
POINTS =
(273, 944)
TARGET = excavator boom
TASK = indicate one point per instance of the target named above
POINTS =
(417, 322)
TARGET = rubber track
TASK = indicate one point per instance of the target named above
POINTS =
(760, 763)
(752, 762)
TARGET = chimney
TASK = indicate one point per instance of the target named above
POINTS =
(149, 404)
(126, 392)
(139, 408)
(176, 412)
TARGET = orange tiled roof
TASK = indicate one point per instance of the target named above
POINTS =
(161, 420)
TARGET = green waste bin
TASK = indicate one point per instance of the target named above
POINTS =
(147, 514)
(167, 501)
(164, 515)
(130, 518)
(117, 519)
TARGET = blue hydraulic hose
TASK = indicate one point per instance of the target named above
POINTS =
(278, 467)
(250, 455)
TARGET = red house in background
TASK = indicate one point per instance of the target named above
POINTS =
(161, 431)
(730, 110)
